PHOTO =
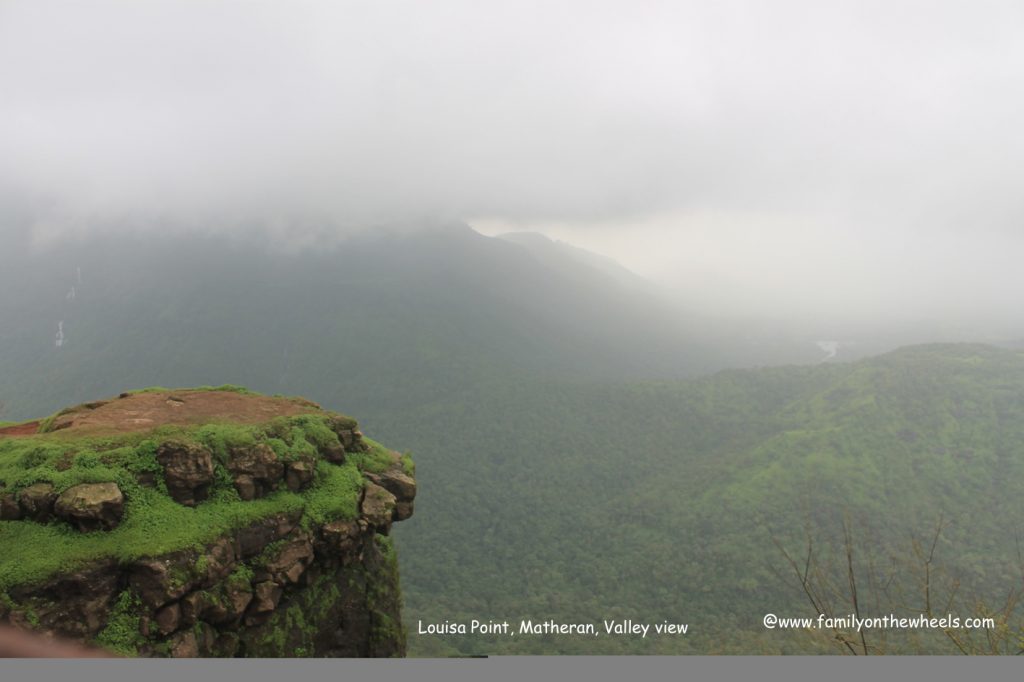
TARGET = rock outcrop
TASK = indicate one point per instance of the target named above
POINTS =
(36, 502)
(260, 534)
(188, 471)
(257, 470)
(399, 484)
(91, 506)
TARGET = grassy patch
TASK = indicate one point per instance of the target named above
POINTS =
(383, 596)
(408, 466)
(121, 635)
(335, 496)
(378, 459)
(291, 632)
(153, 523)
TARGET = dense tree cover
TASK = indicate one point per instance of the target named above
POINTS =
(567, 471)
(663, 501)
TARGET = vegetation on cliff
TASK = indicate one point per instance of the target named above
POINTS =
(554, 483)
(190, 468)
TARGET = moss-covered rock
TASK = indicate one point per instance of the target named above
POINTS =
(188, 561)
(36, 502)
(91, 506)
(188, 471)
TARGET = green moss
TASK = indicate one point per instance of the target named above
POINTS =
(295, 438)
(292, 631)
(343, 422)
(268, 553)
(378, 459)
(272, 644)
(153, 523)
(316, 431)
(241, 576)
(383, 597)
(162, 649)
(46, 424)
(221, 439)
(122, 634)
(335, 495)
(408, 466)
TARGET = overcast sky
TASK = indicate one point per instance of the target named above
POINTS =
(804, 156)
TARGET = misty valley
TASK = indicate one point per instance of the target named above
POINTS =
(621, 339)
(586, 451)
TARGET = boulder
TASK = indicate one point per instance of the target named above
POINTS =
(162, 580)
(9, 509)
(347, 430)
(91, 506)
(168, 618)
(188, 471)
(257, 470)
(192, 606)
(216, 562)
(266, 595)
(206, 638)
(290, 562)
(253, 538)
(339, 537)
(246, 487)
(36, 501)
(169, 578)
(229, 603)
(184, 645)
(299, 474)
(333, 453)
(377, 507)
(395, 481)
(403, 510)
(225, 604)
(399, 484)
(226, 645)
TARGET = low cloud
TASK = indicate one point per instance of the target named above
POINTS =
(879, 140)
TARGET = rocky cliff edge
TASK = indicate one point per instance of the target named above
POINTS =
(203, 522)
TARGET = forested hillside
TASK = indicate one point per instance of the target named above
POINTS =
(665, 501)
(572, 463)
(418, 313)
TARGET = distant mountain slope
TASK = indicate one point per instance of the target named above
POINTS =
(558, 253)
(565, 471)
(420, 312)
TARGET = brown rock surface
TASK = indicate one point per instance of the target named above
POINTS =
(36, 501)
(272, 578)
(299, 474)
(91, 506)
(184, 407)
(9, 509)
(188, 471)
(378, 507)
(257, 470)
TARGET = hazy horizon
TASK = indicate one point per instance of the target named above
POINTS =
(849, 162)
